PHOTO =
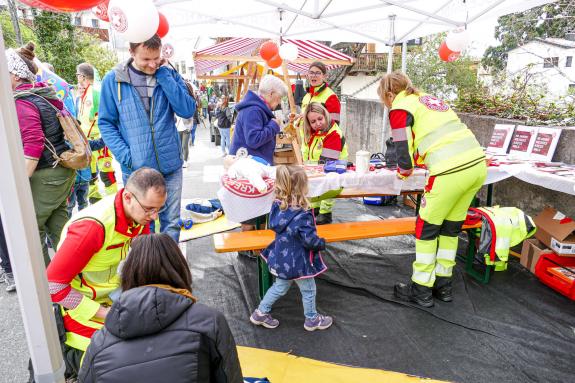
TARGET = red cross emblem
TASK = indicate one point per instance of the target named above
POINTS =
(434, 103)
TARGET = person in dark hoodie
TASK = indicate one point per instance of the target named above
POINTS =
(256, 126)
(155, 331)
(294, 254)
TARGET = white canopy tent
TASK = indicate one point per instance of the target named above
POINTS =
(384, 21)
(333, 20)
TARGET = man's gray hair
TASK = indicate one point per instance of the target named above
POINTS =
(145, 179)
(271, 83)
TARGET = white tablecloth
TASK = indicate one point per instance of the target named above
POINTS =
(240, 208)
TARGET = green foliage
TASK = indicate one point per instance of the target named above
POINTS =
(94, 53)
(516, 29)
(57, 38)
(66, 46)
(8, 31)
(430, 74)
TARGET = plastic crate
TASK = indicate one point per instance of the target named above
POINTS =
(561, 285)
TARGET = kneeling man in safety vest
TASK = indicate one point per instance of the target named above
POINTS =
(426, 131)
(83, 276)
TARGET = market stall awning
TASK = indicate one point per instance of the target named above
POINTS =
(246, 49)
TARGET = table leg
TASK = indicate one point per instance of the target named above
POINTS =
(418, 203)
(489, 201)
(265, 279)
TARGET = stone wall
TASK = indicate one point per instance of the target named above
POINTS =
(364, 124)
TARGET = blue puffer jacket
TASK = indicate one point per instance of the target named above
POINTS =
(135, 137)
(294, 254)
(255, 130)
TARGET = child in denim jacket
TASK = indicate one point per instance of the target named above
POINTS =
(294, 254)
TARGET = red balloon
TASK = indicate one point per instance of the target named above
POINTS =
(447, 54)
(268, 50)
(275, 61)
(68, 5)
(164, 27)
(101, 11)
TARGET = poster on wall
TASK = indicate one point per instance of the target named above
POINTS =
(545, 144)
(500, 139)
(523, 142)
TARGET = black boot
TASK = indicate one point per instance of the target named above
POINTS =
(316, 211)
(442, 289)
(414, 292)
(323, 218)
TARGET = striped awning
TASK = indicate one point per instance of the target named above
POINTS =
(308, 49)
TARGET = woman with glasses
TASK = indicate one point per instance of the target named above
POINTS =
(319, 91)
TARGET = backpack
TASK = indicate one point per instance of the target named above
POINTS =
(79, 154)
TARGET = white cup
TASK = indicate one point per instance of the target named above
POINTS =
(362, 161)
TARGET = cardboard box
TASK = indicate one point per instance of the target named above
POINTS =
(556, 231)
(530, 253)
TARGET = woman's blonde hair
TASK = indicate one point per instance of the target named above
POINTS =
(291, 187)
(315, 107)
(395, 82)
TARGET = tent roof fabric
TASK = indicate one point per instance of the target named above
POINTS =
(369, 21)
(247, 46)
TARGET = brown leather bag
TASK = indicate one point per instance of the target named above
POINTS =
(79, 154)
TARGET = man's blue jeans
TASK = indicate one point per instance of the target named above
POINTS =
(281, 287)
(170, 213)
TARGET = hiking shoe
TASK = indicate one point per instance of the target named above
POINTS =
(263, 319)
(323, 219)
(443, 289)
(10, 283)
(415, 293)
(319, 322)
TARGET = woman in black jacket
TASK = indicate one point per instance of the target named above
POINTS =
(155, 331)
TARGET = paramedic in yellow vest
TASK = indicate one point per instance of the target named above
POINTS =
(322, 141)
(88, 116)
(319, 91)
(83, 276)
(426, 131)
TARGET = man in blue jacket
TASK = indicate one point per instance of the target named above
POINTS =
(139, 100)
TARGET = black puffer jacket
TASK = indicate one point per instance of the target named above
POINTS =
(155, 335)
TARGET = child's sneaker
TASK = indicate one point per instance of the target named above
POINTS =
(261, 319)
(319, 322)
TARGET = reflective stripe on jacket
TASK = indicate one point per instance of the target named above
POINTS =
(313, 149)
(438, 138)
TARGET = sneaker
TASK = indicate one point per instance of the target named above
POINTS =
(2, 276)
(263, 319)
(10, 283)
(185, 164)
(319, 322)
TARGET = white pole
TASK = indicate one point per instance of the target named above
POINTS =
(389, 70)
(23, 241)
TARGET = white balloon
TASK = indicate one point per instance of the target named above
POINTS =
(135, 21)
(457, 40)
(289, 52)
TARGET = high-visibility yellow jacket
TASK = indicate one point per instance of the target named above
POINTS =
(437, 137)
(100, 275)
(88, 113)
(316, 148)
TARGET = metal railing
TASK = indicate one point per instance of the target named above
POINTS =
(370, 62)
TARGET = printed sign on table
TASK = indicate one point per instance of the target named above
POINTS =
(500, 139)
(523, 141)
(545, 144)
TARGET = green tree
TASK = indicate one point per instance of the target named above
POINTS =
(8, 31)
(445, 80)
(92, 51)
(56, 36)
(549, 20)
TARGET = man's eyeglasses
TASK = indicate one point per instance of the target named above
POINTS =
(147, 210)
(314, 74)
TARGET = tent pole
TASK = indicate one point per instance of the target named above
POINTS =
(404, 57)
(23, 242)
(389, 70)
